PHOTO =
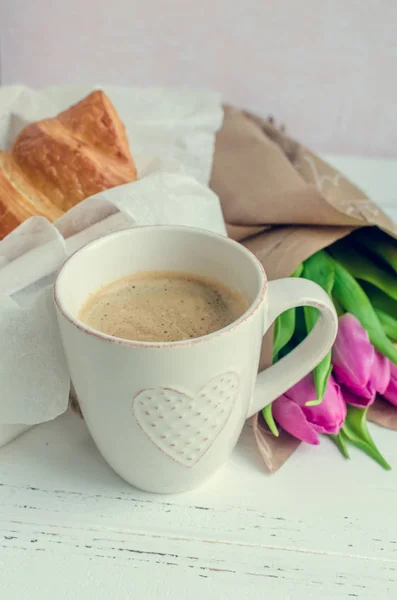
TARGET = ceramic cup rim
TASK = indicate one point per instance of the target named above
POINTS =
(255, 304)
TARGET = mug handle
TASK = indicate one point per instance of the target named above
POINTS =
(282, 295)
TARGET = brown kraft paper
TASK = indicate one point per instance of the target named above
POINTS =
(285, 203)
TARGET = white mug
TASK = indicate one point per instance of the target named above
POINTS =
(167, 415)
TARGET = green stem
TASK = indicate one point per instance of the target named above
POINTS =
(268, 416)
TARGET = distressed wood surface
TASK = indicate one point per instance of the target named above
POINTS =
(322, 527)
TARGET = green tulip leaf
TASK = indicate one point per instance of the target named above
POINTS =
(340, 442)
(379, 243)
(361, 266)
(388, 323)
(380, 300)
(356, 431)
(338, 306)
(385, 308)
(284, 325)
(268, 416)
(283, 331)
(320, 269)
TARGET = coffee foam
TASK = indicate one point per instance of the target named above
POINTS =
(163, 306)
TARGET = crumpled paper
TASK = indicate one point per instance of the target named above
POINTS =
(33, 372)
(274, 451)
(382, 413)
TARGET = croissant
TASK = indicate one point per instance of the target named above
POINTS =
(56, 163)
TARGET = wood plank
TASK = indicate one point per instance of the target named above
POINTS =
(307, 532)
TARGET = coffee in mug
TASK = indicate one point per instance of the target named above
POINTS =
(163, 306)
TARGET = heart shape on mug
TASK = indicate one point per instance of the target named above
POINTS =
(184, 426)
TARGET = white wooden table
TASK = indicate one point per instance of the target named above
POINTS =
(321, 528)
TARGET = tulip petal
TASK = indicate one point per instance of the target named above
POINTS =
(356, 399)
(380, 375)
(291, 418)
(303, 391)
(353, 355)
(391, 392)
(329, 416)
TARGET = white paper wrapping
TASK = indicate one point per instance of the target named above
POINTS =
(174, 131)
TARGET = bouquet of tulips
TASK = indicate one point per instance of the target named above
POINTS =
(285, 204)
(360, 275)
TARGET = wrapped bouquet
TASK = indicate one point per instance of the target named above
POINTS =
(304, 219)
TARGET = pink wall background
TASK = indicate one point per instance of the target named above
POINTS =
(328, 70)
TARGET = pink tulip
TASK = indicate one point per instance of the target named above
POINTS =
(306, 422)
(360, 370)
(381, 373)
(391, 391)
